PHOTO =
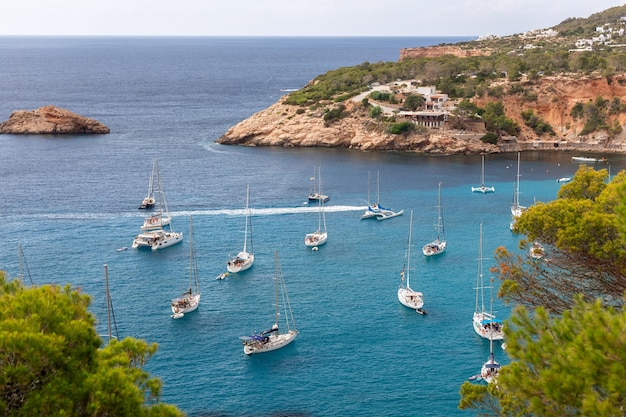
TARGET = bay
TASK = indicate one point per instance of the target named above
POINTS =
(71, 202)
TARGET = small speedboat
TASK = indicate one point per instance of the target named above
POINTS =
(564, 179)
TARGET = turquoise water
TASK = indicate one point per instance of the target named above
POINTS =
(71, 203)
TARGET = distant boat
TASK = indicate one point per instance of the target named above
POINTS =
(189, 300)
(516, 208)
(406, 295)
(483, 188)
(272, 338)
(320, 236)
(484, 323)
(564, 179)
(149, 200)
(438, 245)
(161, 218)
(588, 159)
(158, 237)
(376, 210)
(244, 259)
(316, 194)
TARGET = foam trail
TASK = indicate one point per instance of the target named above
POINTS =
(217, 212)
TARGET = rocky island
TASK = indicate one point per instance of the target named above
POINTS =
(50, 120)
(559, 88)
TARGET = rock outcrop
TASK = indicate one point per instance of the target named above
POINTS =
(287, 126)
(550, 98)
(50, 120)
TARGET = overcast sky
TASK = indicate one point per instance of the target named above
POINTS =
(289, 17)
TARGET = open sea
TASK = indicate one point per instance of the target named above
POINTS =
(71, 202)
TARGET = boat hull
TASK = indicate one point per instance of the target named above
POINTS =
(183, 305)
(486, 331)
(319, 197)
(241, 262)
(434, 248)
(411, 299)
(315, 239)
(157, 240)
(274, 342)
(483, 189)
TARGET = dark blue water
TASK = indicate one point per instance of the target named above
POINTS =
(71, 202)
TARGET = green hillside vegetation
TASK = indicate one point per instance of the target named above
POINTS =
(53, 363)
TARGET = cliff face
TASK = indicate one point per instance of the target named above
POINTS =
(50, 120)
(550, 98)
(437, 51)
(281, 125)
(555, 98)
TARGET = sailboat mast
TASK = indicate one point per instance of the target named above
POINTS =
(191, 255)
(277, 267)
(482, 175)
(245, 233)
(479, 277)
(408, 253)
(516, 195)
(439, 215)
(321, 214)
(378, 188)
(108, 297)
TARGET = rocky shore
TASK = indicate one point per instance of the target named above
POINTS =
(50, 120)
(294, 126)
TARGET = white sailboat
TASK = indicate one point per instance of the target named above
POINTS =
(316, 195)
(376, 210)
(490, 369)
(149, 201)
(162, 235)
(438, 245)
(272, 338)
(320, 236)
(189, 300)
(244, 259)
(483, 188)
(516, 208)
(162, 217)
(406, 295)
(484, 323)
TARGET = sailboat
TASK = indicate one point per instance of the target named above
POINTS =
(438, 245)
(483, 188)
(272, 338)
(406, 295)
(516, 208)
(376, 210)
(316, 195)
(491, 368)
(157, 231)
(484, 323)
(320, 236)
(161, 218)
(244, 259)
(190, 299)
(149, 200)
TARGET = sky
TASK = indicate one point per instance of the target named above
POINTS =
(288, 17)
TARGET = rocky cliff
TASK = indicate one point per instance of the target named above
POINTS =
(50, 120)
(441, 50)
(286, 126)
(551, 98)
